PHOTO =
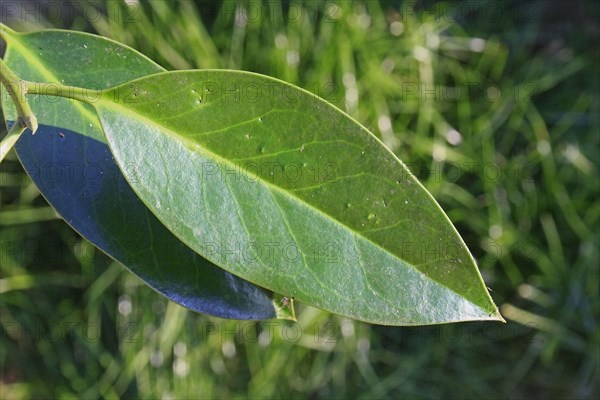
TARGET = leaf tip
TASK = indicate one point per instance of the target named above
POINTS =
(496, 316)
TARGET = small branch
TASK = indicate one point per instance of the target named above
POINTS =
(17, 89)
(70, 92)
(14, 133)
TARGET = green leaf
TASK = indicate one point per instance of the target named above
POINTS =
(71, 164)
(283, 189)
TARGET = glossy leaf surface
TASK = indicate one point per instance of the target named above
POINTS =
(71, 164)
(286, 191)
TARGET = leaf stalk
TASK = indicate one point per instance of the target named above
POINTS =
(70, 92)
(17, 89)
(14, 133)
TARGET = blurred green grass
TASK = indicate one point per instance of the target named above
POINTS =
(494, 106)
